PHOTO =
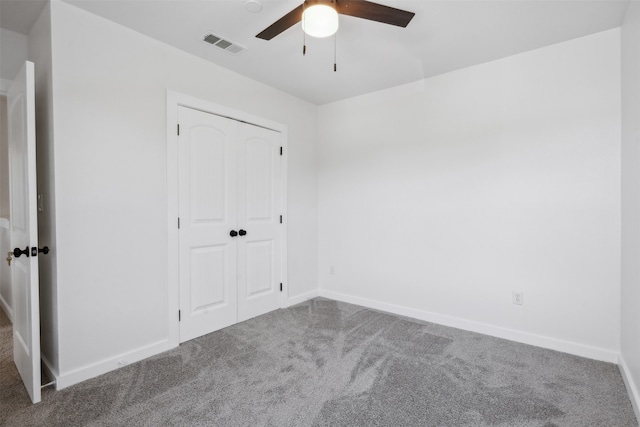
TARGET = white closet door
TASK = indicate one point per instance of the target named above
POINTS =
(259, 198)
(208, 212)
(24, 230)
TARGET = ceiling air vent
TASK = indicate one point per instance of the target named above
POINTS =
(226, 45)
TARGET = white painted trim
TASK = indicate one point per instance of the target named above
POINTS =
(301, 298)
(180, 99)
(632, 389)
(5, 223)
(76, 376)
(284, 257)
(173, 270)
(48, 370)
(175, 100)
(482, 328)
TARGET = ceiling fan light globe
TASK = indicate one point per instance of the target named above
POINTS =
(320, 21)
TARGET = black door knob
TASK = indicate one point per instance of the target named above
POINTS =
(17, 252)
(242, 233)
(44, 250)
(233, 233)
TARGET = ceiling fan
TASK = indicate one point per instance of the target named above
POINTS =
(329, 10)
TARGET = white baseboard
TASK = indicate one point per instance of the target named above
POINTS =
(76, 376)
(632, 390)
(5, 307)
(67, 379)
(483, 328)
(300, 298)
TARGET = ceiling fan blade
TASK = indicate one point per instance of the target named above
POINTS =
(374, 12)
(282, 24)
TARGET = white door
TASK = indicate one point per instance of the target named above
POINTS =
(229, 208)
(24, 230)
(207, 212)
(259, 250)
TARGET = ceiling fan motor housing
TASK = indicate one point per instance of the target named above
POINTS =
(331, 3)
(320, 18)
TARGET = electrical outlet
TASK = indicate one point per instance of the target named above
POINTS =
(518, 297)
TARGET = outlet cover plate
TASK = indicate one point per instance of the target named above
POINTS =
(518, 297)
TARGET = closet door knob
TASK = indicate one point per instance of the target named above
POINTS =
(242, 232)
(233, 233)
(17, 252)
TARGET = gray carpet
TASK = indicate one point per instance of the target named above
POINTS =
(324, 363)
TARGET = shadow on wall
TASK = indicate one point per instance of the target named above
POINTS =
(5, 284)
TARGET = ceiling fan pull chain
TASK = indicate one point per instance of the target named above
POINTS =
(304, 35)
(335, 48)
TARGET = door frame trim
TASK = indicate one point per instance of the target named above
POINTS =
(175, 100)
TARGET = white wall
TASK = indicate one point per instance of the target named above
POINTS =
(4, 158)
(440, 198)
(40, 53)
(5, 238)
(13, 53)
(109, 86)
(630, 319)
(5, 270)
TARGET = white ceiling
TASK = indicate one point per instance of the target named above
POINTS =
(444, 36)
(19, 15)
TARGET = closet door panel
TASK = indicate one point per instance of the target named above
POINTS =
(259, 201)
(208, 212)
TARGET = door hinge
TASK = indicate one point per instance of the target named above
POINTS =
(280, 219)
(178, 128)
(280, 287)
(281, 151)
(179, 316)
(178, 223)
